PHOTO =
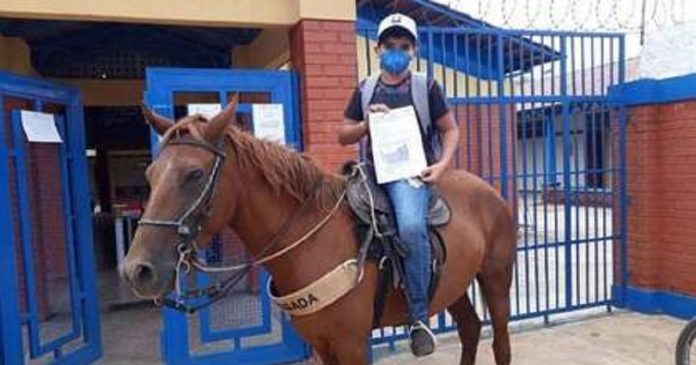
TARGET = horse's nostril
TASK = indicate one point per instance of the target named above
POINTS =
(143, 274)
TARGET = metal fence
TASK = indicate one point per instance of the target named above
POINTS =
(537, 123)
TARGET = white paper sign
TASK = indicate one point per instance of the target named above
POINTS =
(397, 146)
(40, 127)
(268, 122)
(206, 110)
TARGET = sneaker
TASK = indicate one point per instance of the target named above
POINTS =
(422, 339)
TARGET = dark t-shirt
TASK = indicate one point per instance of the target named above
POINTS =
(396, 96)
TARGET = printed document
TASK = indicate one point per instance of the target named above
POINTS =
(397, 145)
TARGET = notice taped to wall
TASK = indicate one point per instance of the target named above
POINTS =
(269, 122)
(40, 127)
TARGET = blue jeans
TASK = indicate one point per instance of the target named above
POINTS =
(411, 209)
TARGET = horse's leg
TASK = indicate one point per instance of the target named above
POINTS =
(346, 348)
(495, 279)
(328, 359)
(326, 353)
(468, 326)
(351, 351)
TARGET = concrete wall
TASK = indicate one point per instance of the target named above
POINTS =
(15, 56)
(669, 52)
(110, 92)
(270, 49)
(236, 13)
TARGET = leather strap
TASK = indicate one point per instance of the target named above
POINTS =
(321, 293)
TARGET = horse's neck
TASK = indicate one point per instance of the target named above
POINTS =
(262, 215)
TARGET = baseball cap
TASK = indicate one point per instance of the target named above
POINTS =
(398, 20)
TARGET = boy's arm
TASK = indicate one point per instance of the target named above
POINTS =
(353, 127)
(450, 138)
(351, 131)
(449, 131)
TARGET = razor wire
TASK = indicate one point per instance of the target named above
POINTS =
(592, 15)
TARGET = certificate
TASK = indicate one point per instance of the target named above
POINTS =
(397, 146)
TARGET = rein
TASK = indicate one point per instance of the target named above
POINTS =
(189, 225)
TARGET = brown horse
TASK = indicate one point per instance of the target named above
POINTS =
(260, 184)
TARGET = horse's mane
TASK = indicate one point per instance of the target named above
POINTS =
(283, 169)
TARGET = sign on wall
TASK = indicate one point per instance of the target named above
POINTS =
(40, 127)
(268, 122)
(206, 110)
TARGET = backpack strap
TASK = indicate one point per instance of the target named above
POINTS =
(419, 95)
(367, 91)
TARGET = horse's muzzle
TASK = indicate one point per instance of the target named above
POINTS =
(144, 278)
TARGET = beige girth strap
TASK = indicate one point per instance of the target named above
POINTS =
(321, 293)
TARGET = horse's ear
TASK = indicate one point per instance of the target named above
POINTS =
(159, 123)
(220, 122)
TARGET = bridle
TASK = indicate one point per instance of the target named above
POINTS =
(189, 225)
(187, 228)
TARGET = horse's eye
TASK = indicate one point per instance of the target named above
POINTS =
(194, 175)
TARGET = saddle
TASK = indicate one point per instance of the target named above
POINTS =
(377, 231)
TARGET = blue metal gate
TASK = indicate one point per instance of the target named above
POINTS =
(536, 122)
(48, 308)
(243, 328)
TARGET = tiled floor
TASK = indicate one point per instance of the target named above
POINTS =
(616, 339)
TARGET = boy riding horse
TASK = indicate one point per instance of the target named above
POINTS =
(394, 87)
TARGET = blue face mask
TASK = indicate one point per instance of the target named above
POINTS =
(394, 61)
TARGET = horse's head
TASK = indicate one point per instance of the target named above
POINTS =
(183, 209)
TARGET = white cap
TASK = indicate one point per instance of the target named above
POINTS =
(398, 20)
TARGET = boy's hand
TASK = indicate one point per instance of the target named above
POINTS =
(378, 108)
(374, 108)
(432, 173)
